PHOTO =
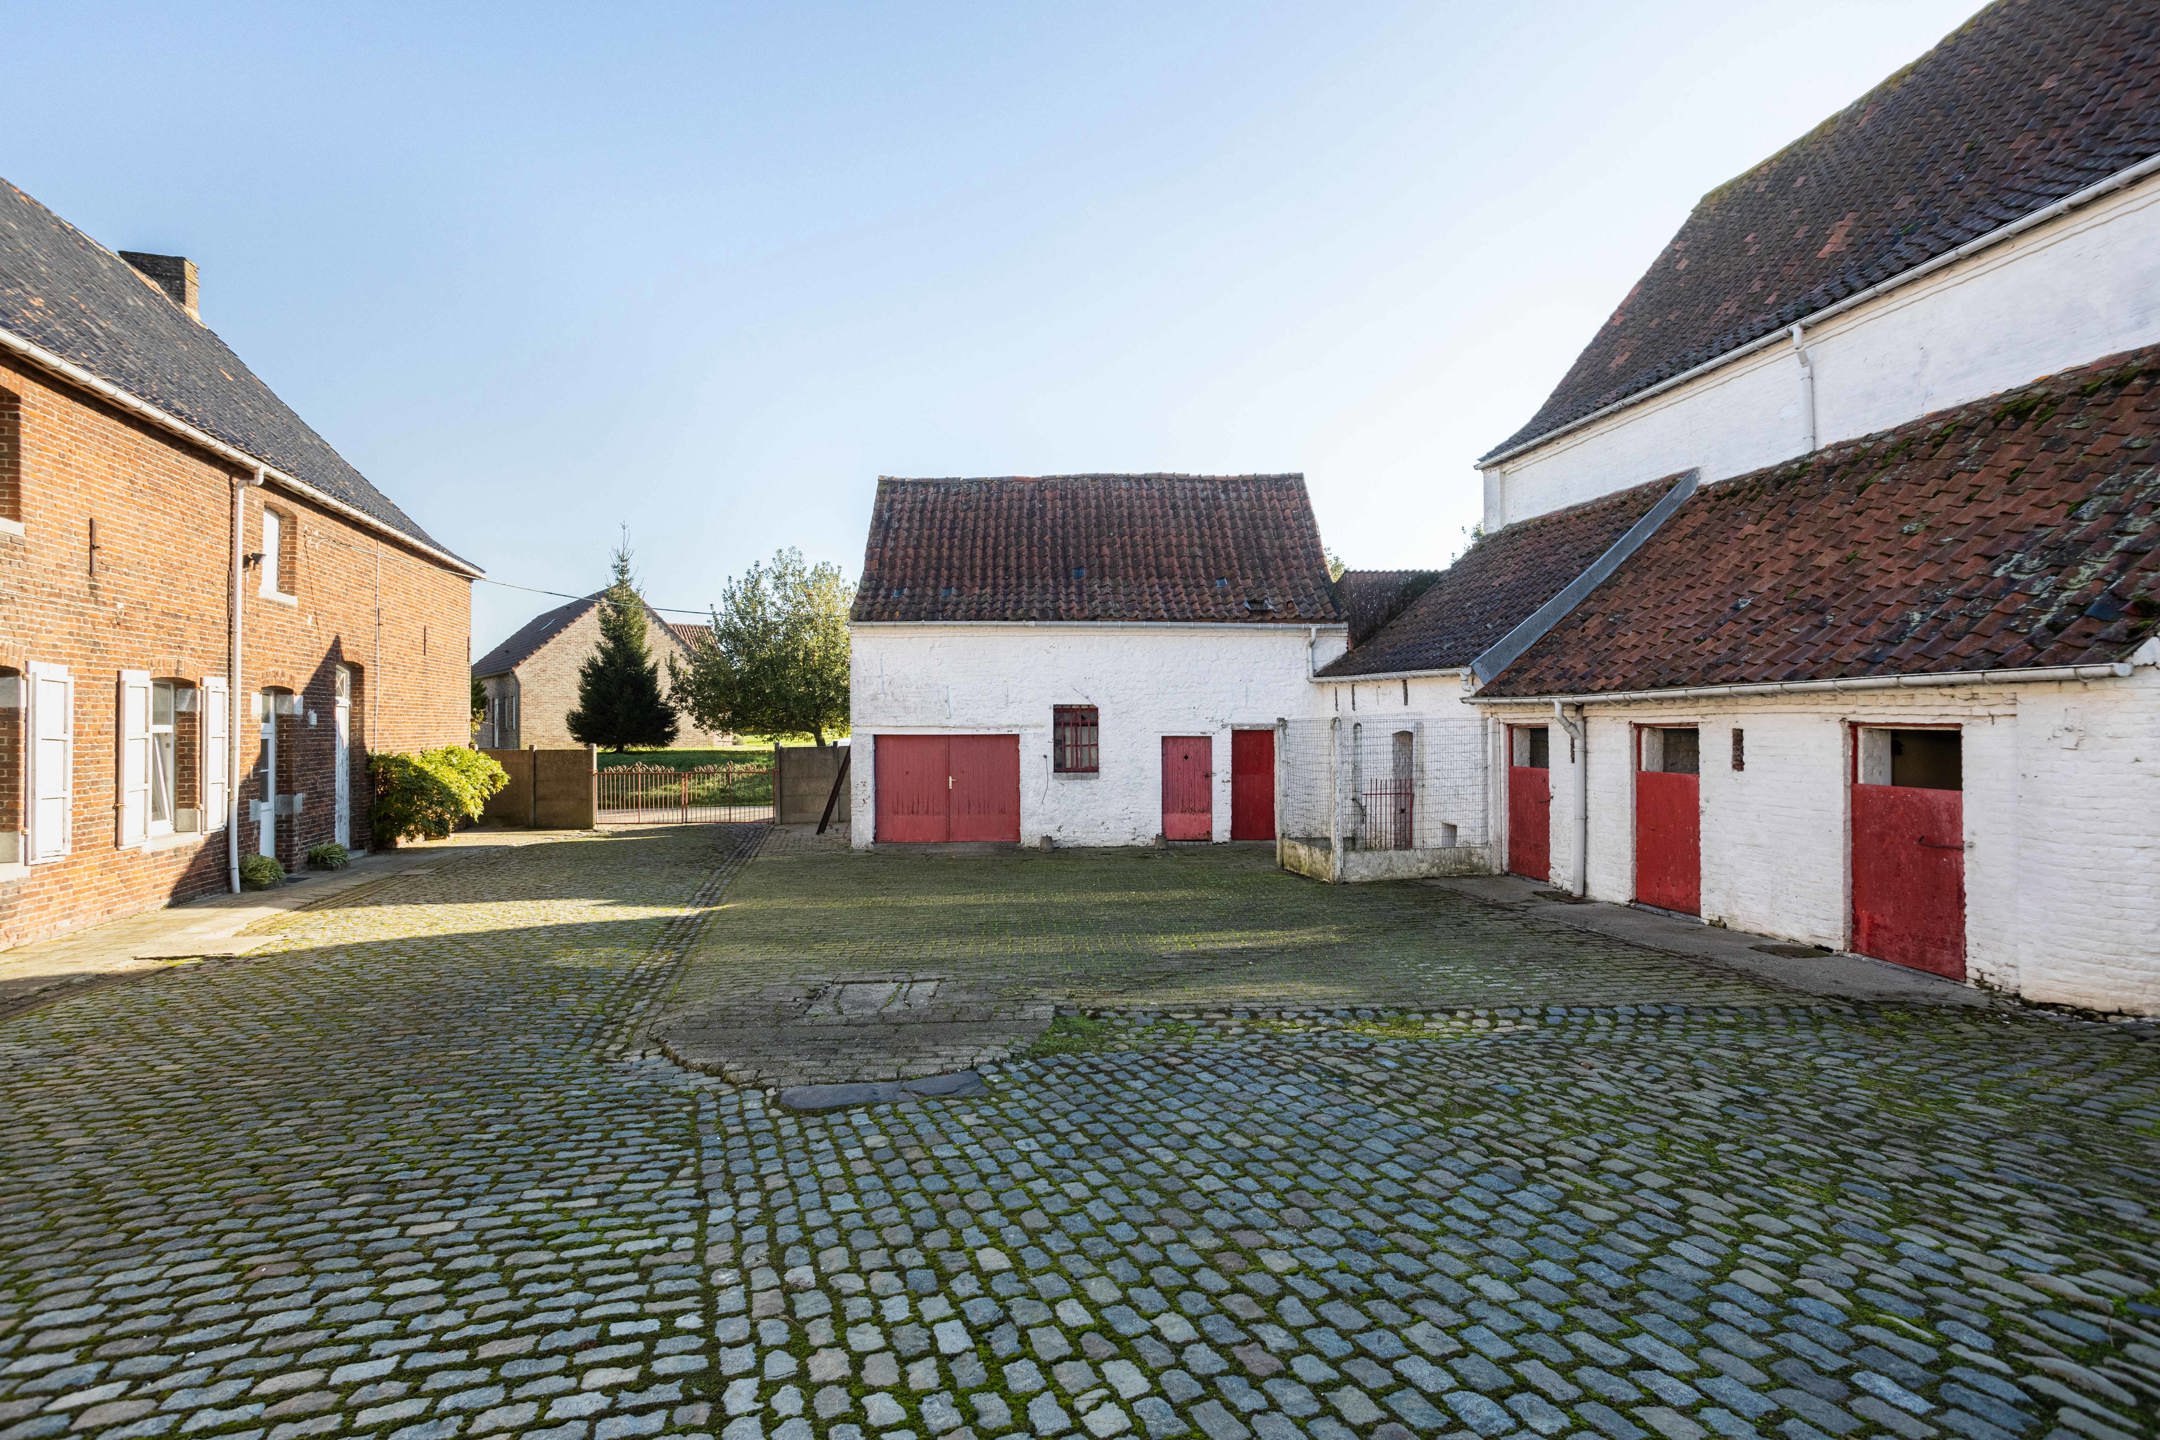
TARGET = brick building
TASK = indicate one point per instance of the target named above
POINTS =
(207, 617)
(530, 680)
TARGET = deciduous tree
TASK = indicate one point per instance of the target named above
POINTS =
(775, 659)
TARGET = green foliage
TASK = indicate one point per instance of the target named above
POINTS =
(479, 706)
(619, 698)
(328, 856)
(260, 872)
(775, 660)
(426, 796)
(1072, 1035)
(1335, 566)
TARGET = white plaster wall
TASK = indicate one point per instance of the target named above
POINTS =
(1450, 748)
(2081, 287)
(1148, 681)
(2062, 823)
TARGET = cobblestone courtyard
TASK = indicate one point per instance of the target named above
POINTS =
(411, 1169)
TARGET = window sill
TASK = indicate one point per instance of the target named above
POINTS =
(1077, 774)
(178, 840)
(13, 870)
(11, 527)
(279, 597)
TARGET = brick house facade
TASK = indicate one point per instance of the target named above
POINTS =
(130, 439)
(530, 680)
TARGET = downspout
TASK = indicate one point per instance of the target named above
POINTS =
(240, 486)
(1579, 733)
(1807, 391)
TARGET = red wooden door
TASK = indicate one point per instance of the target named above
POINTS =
(1252, 785)
(1529, 822)
(1668, 841)
(1188, 789)
(1908, 876)
(913, 784)
(985, 787)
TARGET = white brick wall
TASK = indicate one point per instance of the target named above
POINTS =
(2062, 822)
(2063, 294)
(1451, 772)
(1147, 680)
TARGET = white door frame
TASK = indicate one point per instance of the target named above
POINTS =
(266, 814)
(341, 763)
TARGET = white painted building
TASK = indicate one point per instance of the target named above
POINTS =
(1083, 660)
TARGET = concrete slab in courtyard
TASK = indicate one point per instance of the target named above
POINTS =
(412, 1169)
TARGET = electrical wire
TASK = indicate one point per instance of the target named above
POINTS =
(705, 610)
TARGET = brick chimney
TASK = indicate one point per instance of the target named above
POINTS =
(173, 274)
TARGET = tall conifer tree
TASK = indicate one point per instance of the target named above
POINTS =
(620, 703)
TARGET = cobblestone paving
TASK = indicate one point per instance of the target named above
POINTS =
(408, 1173)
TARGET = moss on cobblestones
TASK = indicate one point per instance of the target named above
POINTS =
(408, 1173)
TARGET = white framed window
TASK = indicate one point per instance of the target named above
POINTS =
(273, 545)
(164, 756)
(50, 785)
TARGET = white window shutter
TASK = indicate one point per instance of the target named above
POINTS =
(216, 753)
(52, 762)
(134, 758)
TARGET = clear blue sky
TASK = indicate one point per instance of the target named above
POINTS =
(708, 270)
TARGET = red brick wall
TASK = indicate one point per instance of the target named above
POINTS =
(154, 596)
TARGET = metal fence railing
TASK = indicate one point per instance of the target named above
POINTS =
(707, 794)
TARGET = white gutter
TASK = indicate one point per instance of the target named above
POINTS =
(241, 484)
(1362, 677)
(1580, 734)
(1215, 627)
(1807, 389)
(74, 374)
(2121, 178)
(2107, 670)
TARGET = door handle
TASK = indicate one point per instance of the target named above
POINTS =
(1936, 844)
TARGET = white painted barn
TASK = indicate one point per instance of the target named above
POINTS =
(1082, 659)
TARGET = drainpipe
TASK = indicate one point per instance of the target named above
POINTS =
(1579, 733)
(240, 486)
(1807, 392)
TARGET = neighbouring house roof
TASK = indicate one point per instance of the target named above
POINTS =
(2026, 103)
(1369, 599)
(64, 292)
(525, 642)
(1134, 548)
(1496, 585)
(2017, 532)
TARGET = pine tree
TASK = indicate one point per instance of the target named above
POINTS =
(619, 699)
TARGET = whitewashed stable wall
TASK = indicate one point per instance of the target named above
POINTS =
(1148, 681)
(2064, 294)
(2062, 823)
(1451, 773)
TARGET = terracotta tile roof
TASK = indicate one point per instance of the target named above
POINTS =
(1234, 549)
(2015, 532)
(61, 290)
(2027, 102)
(1369, 599)
(1496, 585)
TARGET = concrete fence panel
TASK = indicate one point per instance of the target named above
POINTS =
(548, 789)
(802, 780)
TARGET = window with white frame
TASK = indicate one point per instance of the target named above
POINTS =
(160, 758)
(11, 765)
(280, 538)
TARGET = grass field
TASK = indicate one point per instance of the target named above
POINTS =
(751, 750)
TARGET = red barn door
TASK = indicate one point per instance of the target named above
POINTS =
(1252, 785)
(1529, 803)
(1668, 818)
(1188, 789)
(985, 787)
(1908, 849)
(913, 780)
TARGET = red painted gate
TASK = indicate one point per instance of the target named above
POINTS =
(1252, 785)
(947, 787)
(1908, 876)
(985, 787)
(1188, 788)
(1668, 819)
(1529, 803)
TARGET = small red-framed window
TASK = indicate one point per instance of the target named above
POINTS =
(1075, 740)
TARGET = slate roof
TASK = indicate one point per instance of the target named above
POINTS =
(63, 291)
(2015, 532)
(1495, 586)
(2027, 102)
(525, 641)
(1369, 599)
(1135, 548)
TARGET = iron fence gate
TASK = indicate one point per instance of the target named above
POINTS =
(737, 791)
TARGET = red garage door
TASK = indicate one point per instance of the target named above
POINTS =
(1529, 802)
(1252, 784)
(1908, 848)
(947, 787)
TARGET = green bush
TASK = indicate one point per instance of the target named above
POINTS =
(328, 856)
(260, 872)
(426, 796)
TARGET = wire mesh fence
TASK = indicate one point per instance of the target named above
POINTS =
(1353, 785)
(734, 791)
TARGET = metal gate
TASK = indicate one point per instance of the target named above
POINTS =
(737, 791)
